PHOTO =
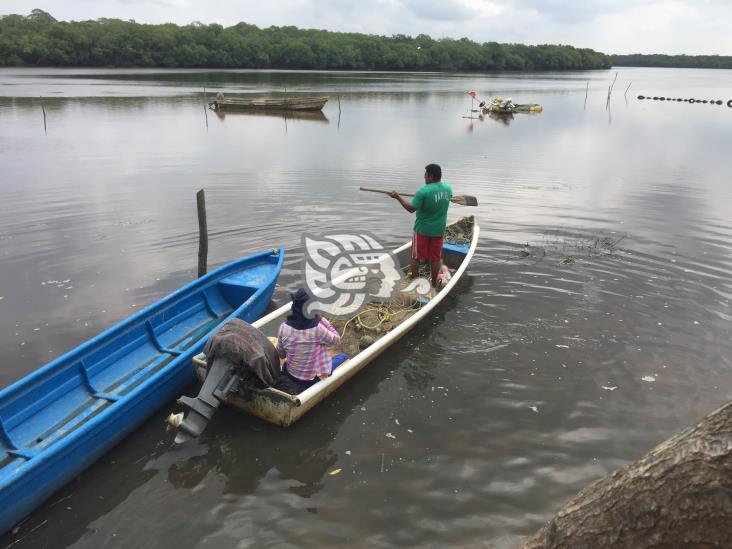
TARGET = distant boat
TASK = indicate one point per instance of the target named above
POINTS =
(283, 408)
(499, 108)
(281, 104)
(58, 420)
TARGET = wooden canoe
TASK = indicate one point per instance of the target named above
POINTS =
(285, 409)
(281, 104)
(58, 420)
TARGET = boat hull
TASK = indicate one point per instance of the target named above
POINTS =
(288, 104)
(283, 409)
(57, 421)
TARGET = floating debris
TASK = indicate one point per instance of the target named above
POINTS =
(534, 409)
(335, 472)
(389, 435)
(649, 379)
(609, 388)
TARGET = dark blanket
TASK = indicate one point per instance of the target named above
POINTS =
(248, 349)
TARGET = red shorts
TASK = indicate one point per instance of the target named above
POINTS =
(426, 248)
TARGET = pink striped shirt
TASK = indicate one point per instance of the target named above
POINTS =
(305, 349)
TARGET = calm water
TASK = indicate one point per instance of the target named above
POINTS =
(535, 377)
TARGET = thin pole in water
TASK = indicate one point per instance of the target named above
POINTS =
(626, 89)
(45, 129)
(339, 112)
(205, 111)
(610, 90)
(202, 233)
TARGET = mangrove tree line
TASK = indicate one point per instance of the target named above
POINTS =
(40, 40)
(676, 61)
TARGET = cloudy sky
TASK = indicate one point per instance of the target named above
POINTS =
(611, 26)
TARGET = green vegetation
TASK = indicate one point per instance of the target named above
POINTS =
(41, 40)
(569, 260)
(675, 61)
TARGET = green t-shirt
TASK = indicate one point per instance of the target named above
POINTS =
(432, 201)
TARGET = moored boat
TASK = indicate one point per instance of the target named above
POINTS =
(58, 420)
(281, 104)
(283, 408)
(499, 106)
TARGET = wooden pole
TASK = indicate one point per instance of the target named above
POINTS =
(45, 129)
(626, 89)
(610, 90)
(205, 110)
(202, 233)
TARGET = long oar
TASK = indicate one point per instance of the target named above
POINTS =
(462, 200)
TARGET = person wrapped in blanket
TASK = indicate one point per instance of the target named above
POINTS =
(302, 341)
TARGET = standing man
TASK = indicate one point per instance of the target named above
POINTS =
(430, 204)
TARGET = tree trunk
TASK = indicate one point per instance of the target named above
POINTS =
(677, 495)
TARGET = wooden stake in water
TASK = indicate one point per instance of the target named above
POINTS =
(610, 90)
(202, 233)
(205, 110)
(45, 129)
(626, 89)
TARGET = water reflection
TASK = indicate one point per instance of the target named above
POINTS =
(310, 116)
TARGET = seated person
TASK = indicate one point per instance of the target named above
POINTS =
(302, 341)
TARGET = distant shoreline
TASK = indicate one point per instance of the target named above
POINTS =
(39, 40)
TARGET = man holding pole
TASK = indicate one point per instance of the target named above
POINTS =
(430, 203)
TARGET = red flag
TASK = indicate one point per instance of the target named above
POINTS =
(472, 94)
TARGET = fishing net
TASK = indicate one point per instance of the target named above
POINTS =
(376, 320)
(460, 232)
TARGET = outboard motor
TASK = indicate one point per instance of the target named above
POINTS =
(221, 381)
(237, 353)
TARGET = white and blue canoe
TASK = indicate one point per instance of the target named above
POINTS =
(58, 420)
(284, 409)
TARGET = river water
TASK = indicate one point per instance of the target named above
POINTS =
(594, 323)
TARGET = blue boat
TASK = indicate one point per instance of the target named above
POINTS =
(58, 420)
